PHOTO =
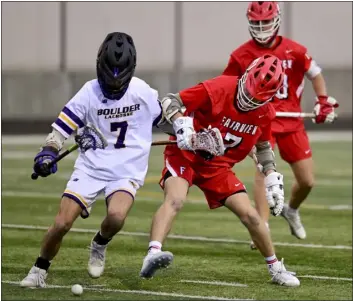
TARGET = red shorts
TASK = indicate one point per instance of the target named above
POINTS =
(292, 146)
(216, 189)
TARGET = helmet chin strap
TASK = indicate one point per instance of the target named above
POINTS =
(268, 44)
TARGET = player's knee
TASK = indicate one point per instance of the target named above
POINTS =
(250, 219)
(116, 218)
(307, 182)
(62, 224)
(175, 202)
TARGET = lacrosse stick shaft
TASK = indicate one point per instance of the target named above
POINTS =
(295, 114)
(165, 142)
(74, 147)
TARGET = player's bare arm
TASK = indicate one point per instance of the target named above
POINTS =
(324, 108)
(319, 85)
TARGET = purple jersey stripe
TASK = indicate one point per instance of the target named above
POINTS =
(73, 116)
(123, 190)
(63, 126)
(158, 119)
(76, 199)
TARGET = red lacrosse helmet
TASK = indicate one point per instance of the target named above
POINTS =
(260, 82)
(264, 19)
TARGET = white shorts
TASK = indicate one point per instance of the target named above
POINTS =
(84, 189)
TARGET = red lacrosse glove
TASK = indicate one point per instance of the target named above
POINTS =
(324, 109)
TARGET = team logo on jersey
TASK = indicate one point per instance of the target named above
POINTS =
(238, 126)
(118, 112)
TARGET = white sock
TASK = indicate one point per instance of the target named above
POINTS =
(154, 247)
(292, 211)
(271, 260)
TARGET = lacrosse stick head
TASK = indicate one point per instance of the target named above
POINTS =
(90, 137)
(208, 143)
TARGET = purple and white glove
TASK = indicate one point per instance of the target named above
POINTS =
(43, 158)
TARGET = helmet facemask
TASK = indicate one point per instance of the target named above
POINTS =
(260, 82)
(264, 18)
(264, 31)
(245, 101)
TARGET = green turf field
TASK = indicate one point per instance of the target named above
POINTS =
(224, 257)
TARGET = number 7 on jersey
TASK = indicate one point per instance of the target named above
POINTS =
(122, 128)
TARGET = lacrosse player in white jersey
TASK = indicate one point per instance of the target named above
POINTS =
(125, 109)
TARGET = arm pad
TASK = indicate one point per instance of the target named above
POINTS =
(172, 104)
(55, 139)
(166, 127)
(265, 156)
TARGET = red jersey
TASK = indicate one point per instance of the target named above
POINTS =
(296, 63)
(212, 102)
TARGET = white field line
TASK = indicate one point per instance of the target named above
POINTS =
(139, 292)
(340, 207)
(222, 283)
(183, 237)
(19, 172)
(157, 199)
(219, 283)
(325, 277)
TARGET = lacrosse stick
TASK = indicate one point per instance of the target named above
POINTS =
(164, 142)
(209, 141)
(88, 138)
(295, 114)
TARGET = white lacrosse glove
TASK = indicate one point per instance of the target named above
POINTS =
(184, 130)
(274, 192)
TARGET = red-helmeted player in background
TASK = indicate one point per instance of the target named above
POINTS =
(240, 114)
(289, 133)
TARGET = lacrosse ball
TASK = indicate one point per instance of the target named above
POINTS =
(77, 289)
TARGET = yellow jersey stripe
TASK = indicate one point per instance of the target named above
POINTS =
(68, 120)
(78, 196)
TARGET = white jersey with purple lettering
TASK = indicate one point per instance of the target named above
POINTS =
(126, 124)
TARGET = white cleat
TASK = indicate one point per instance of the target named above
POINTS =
(295, 224)
(35, 278)
(96, 259)
(281, 276)
(154, 262)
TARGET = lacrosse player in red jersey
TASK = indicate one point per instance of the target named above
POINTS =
(289, 133)
(239, 112)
